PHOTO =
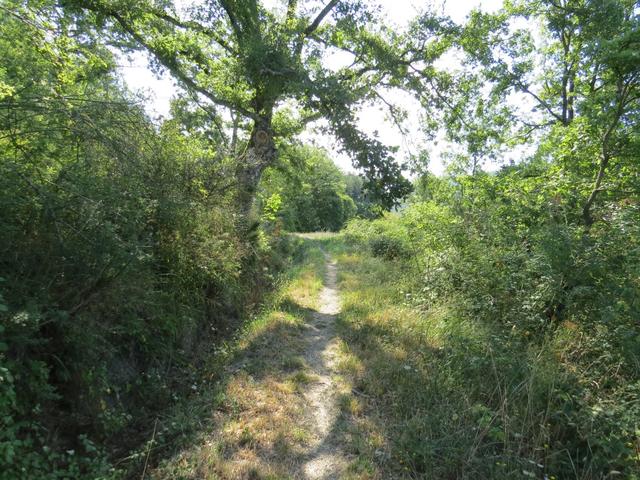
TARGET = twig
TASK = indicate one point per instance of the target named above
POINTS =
(146, 461)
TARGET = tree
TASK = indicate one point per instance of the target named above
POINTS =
(365, 208)
(236, 56)
(583, 82)
(309, 197)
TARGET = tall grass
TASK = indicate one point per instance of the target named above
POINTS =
(462, 369)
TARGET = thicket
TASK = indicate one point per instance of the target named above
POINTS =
(528, 277)
(537, 321)
(123, 253)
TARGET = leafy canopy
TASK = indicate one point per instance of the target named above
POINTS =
(238, 56)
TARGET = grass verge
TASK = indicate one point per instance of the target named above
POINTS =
(244, 417)
(439, 395)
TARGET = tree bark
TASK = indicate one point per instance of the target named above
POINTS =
(260, 153)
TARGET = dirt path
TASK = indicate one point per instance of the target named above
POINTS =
(326, 459)
(277, 413)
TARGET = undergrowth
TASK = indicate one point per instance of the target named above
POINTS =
(128, 391)
(245, 420)
(474, 356)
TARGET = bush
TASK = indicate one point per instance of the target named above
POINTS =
(308, 194)
(389, 248)
(120, 260)
(385, 237)
(544, 309)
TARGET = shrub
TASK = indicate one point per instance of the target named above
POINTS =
(388, 247)
(544, 308)
(385, 237)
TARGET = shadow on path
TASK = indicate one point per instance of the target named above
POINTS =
(275, 414)
(326, 460)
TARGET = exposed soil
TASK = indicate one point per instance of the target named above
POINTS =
(326, 459)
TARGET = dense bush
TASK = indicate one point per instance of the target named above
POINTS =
(120, 256)
(306, 192)
(387, 247)
(384, 237)
(544, 308)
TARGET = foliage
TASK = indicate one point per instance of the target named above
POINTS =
(356, 189)
(312, 196)
(581, 78)
(129, 250)
(527, 276)
(383, 237)
(257, 64)
(121, 256)
(511, 289)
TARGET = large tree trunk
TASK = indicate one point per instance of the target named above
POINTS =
(260, 153)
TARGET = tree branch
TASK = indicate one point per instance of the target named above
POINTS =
(544, 104)
(172, 65)
(318, 20)
(311, 118)
(232, 18)
(189, 24)
(393, 111)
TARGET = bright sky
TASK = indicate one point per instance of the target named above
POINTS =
(399, 12)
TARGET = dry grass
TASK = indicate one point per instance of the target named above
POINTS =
(257, 429)
(317, 235)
